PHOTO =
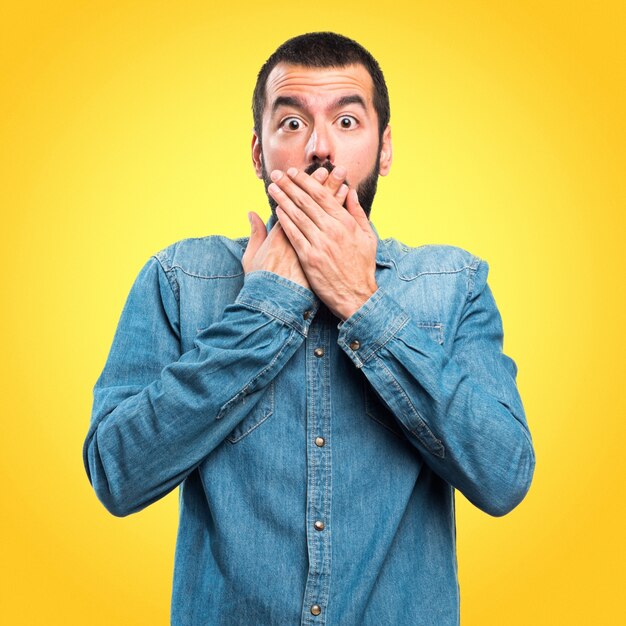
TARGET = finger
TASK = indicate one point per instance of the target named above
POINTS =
(299, 242)
(297, 216)
(355, 209)
(258, 233)
(342, 194)
(335, 180)
(332, 183)
(258, 225)
(320, 174)
(302, 200)
(321, 196)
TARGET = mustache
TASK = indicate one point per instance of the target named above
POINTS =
(327, 165)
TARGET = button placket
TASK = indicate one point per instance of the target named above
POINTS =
(318, 350)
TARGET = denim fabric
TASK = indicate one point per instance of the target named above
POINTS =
(272, 415)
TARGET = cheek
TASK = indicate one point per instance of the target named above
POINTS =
(359, 158)
(359, 168)
(281, 155)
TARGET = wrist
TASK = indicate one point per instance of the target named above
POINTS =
(355, 301)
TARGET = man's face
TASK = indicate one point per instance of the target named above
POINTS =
(322, 117)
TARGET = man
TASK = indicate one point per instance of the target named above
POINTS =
(316, 392)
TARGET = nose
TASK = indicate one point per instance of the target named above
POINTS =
(320, 145)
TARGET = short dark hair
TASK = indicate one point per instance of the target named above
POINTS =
(323, 49)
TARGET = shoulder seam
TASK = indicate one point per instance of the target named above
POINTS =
(473, 267)
(169, 274)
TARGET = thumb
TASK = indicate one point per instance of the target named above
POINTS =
(356, 210)
(258, 232)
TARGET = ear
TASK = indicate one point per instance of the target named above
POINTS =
(386, 152)
(256, 155)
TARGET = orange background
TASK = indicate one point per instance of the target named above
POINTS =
(125, 126)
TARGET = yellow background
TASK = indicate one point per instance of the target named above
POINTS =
(125, 126)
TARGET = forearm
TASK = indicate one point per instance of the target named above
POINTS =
(466, 421)
(143, 442)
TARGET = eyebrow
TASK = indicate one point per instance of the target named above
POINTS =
(297, 103)
(355, 99)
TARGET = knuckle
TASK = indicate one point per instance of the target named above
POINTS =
(296, 215)
(307, 201)
(313, 258)
(319, 194)
(333, 183)
(337, 233)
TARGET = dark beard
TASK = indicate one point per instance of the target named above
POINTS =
(366, 190)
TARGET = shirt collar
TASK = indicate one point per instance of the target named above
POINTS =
(382, 257)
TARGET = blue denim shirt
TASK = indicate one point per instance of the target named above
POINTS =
(316, 459)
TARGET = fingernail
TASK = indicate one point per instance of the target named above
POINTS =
(339, 172)
(292, 171)
(276, 175)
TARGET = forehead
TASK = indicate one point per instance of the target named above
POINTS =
(314, 83)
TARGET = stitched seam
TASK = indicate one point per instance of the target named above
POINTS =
(438, 326)
(403, 320)
(253, 305)
(244, 434)
(171, 278)
(401, 391)
(471, 281)
(370, 410)
(311, 531)
(328, 486)
(271, 363)
(224, 408)
(430, 273)
(184, 271)
(266, 414)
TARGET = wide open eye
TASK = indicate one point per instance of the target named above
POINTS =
(291, 123)
(347, 122)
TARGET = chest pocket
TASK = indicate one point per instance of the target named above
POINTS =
(375, 407)
(262, 409)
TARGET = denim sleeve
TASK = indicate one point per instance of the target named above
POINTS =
(462, 412)
(156, 413)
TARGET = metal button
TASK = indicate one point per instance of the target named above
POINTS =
(355, 345)
(316, 609)
(306, 315)
(319, 525)
(319, 441)
(318, 352)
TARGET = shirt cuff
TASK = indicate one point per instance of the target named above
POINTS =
(371, 327)
(279, 297)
